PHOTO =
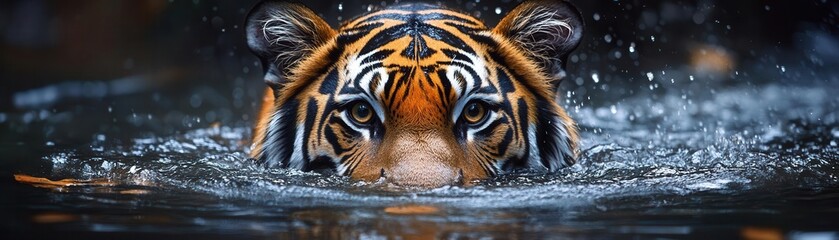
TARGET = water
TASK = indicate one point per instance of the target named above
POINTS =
(716, 165)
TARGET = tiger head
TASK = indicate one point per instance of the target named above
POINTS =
(416, 94)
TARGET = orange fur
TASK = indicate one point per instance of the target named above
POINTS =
(416, 140)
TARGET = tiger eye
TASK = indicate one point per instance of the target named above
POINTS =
(361, 113)
(474, 113)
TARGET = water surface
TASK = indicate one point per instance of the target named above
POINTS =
(719, 164)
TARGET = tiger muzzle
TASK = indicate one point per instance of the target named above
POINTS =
(422, 159)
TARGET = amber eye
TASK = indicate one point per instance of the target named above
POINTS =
(474, 113)
(361, 112)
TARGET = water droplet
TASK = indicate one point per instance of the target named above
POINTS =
(195, 101)
(650, 76)
(498, 10)
(632, 47)
(596, 17)
(595, 77)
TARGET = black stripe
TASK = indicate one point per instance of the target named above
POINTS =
(329, 83)
(505, 143)
(504, 81)
(489, 129)
(503, 62)
(446, 86)
(547, 136)
(522, 125)
(333, 138)
(352, 35)
(415, 28)
(356, 83)
(465, 29)
(284, 135)
(477, 78)
(473, 34)
(544, 135)
(454, 54)
(418, 48)
(308, 125)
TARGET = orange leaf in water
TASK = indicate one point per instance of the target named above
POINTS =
(46, 183)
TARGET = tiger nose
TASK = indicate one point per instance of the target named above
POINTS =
(422, 161)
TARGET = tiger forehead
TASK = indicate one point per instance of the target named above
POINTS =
(416, 61)
(406, 11)
(421, 22)
(412, 36)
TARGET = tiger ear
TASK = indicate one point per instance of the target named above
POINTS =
(283, 33)
(548, 30)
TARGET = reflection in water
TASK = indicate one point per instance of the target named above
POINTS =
(53, 217)
(342, 224)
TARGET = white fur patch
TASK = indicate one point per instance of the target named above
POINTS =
(297, 161)
(534, 161)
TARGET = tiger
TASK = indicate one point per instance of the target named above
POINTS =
(414, 94)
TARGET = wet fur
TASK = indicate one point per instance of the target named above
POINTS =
(417, 65)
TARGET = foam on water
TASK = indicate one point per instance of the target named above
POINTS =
(718, 143)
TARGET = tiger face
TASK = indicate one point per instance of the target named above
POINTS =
(416, 95)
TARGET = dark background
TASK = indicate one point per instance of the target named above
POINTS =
(83, 80)
(74, 70)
